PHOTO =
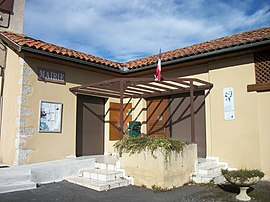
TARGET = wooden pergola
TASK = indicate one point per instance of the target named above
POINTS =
(144, 88)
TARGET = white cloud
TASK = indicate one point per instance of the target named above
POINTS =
(126, 29)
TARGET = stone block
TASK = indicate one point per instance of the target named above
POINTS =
(22, 155)
(26, 90)
(20, 121)
(27, 71)
(23, 81)
(25, 111)
(19, 142)
(21, 100)
(25, 132)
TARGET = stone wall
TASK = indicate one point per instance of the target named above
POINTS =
(148, 170)
(24, 129)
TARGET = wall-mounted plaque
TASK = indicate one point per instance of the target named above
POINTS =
(228, 97)
(50, 118)
(51, 76)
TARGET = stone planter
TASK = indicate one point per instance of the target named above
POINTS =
(148, 170)
(242, 184)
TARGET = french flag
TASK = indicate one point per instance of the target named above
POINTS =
(158, 68)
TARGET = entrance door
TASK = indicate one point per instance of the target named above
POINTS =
(90, 125)
(181, 120)
(157, 117)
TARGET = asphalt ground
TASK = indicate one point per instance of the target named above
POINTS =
(65, 191)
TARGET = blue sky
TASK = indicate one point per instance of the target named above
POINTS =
(123, 30)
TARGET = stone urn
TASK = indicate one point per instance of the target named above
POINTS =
(243, 178)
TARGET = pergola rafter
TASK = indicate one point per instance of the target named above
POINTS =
(144, 88)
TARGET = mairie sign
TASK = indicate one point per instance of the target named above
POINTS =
(51, 76)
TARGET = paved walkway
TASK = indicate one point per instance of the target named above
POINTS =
(64, 191)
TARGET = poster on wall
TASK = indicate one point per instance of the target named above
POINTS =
(228, 96)
(50, 118)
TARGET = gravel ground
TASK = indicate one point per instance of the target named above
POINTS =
(64, 191)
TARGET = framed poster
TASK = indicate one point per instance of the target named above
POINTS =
(228, 97)
(50, 117)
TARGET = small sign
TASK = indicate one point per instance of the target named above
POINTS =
(51, 76)
(228, 96)
(50, 117)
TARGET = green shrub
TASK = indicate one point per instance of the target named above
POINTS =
(242, 175)
(157, 189)
(134, 145)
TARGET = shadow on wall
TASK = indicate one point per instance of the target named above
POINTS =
(166, 117)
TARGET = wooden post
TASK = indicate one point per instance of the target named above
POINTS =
(192, 112)
(121, 109)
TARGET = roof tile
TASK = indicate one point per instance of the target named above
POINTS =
(196, 49)
(208, 46)
(23, 40)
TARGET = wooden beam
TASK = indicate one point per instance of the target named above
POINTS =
(258, 87)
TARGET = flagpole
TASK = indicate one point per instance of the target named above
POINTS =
(158, 68)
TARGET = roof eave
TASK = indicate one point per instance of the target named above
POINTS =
(202, 55)
(62, 57)
(11, 43)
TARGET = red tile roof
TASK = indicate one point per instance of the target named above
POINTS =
(24, 41)
(236, 40)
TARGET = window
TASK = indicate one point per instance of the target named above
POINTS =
(262, 72)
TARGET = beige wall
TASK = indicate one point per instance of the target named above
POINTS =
(242, 142)
(60, 144)
(264, 129)
(10, 110)
(25, 96)
(235, 141)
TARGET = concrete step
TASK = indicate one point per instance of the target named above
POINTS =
(203, 178)
(55, 172)
(210, 169)
(219, 180)
(101, 174)
(24, 177)
(107, 166)
(17, 186)
(14, 177)
(99, 185)
(213, 178)
(202, 162)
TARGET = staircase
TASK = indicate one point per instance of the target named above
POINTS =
(15, 180)
(105, 176)
(208, 170)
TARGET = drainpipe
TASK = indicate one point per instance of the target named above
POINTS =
(2, 74)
